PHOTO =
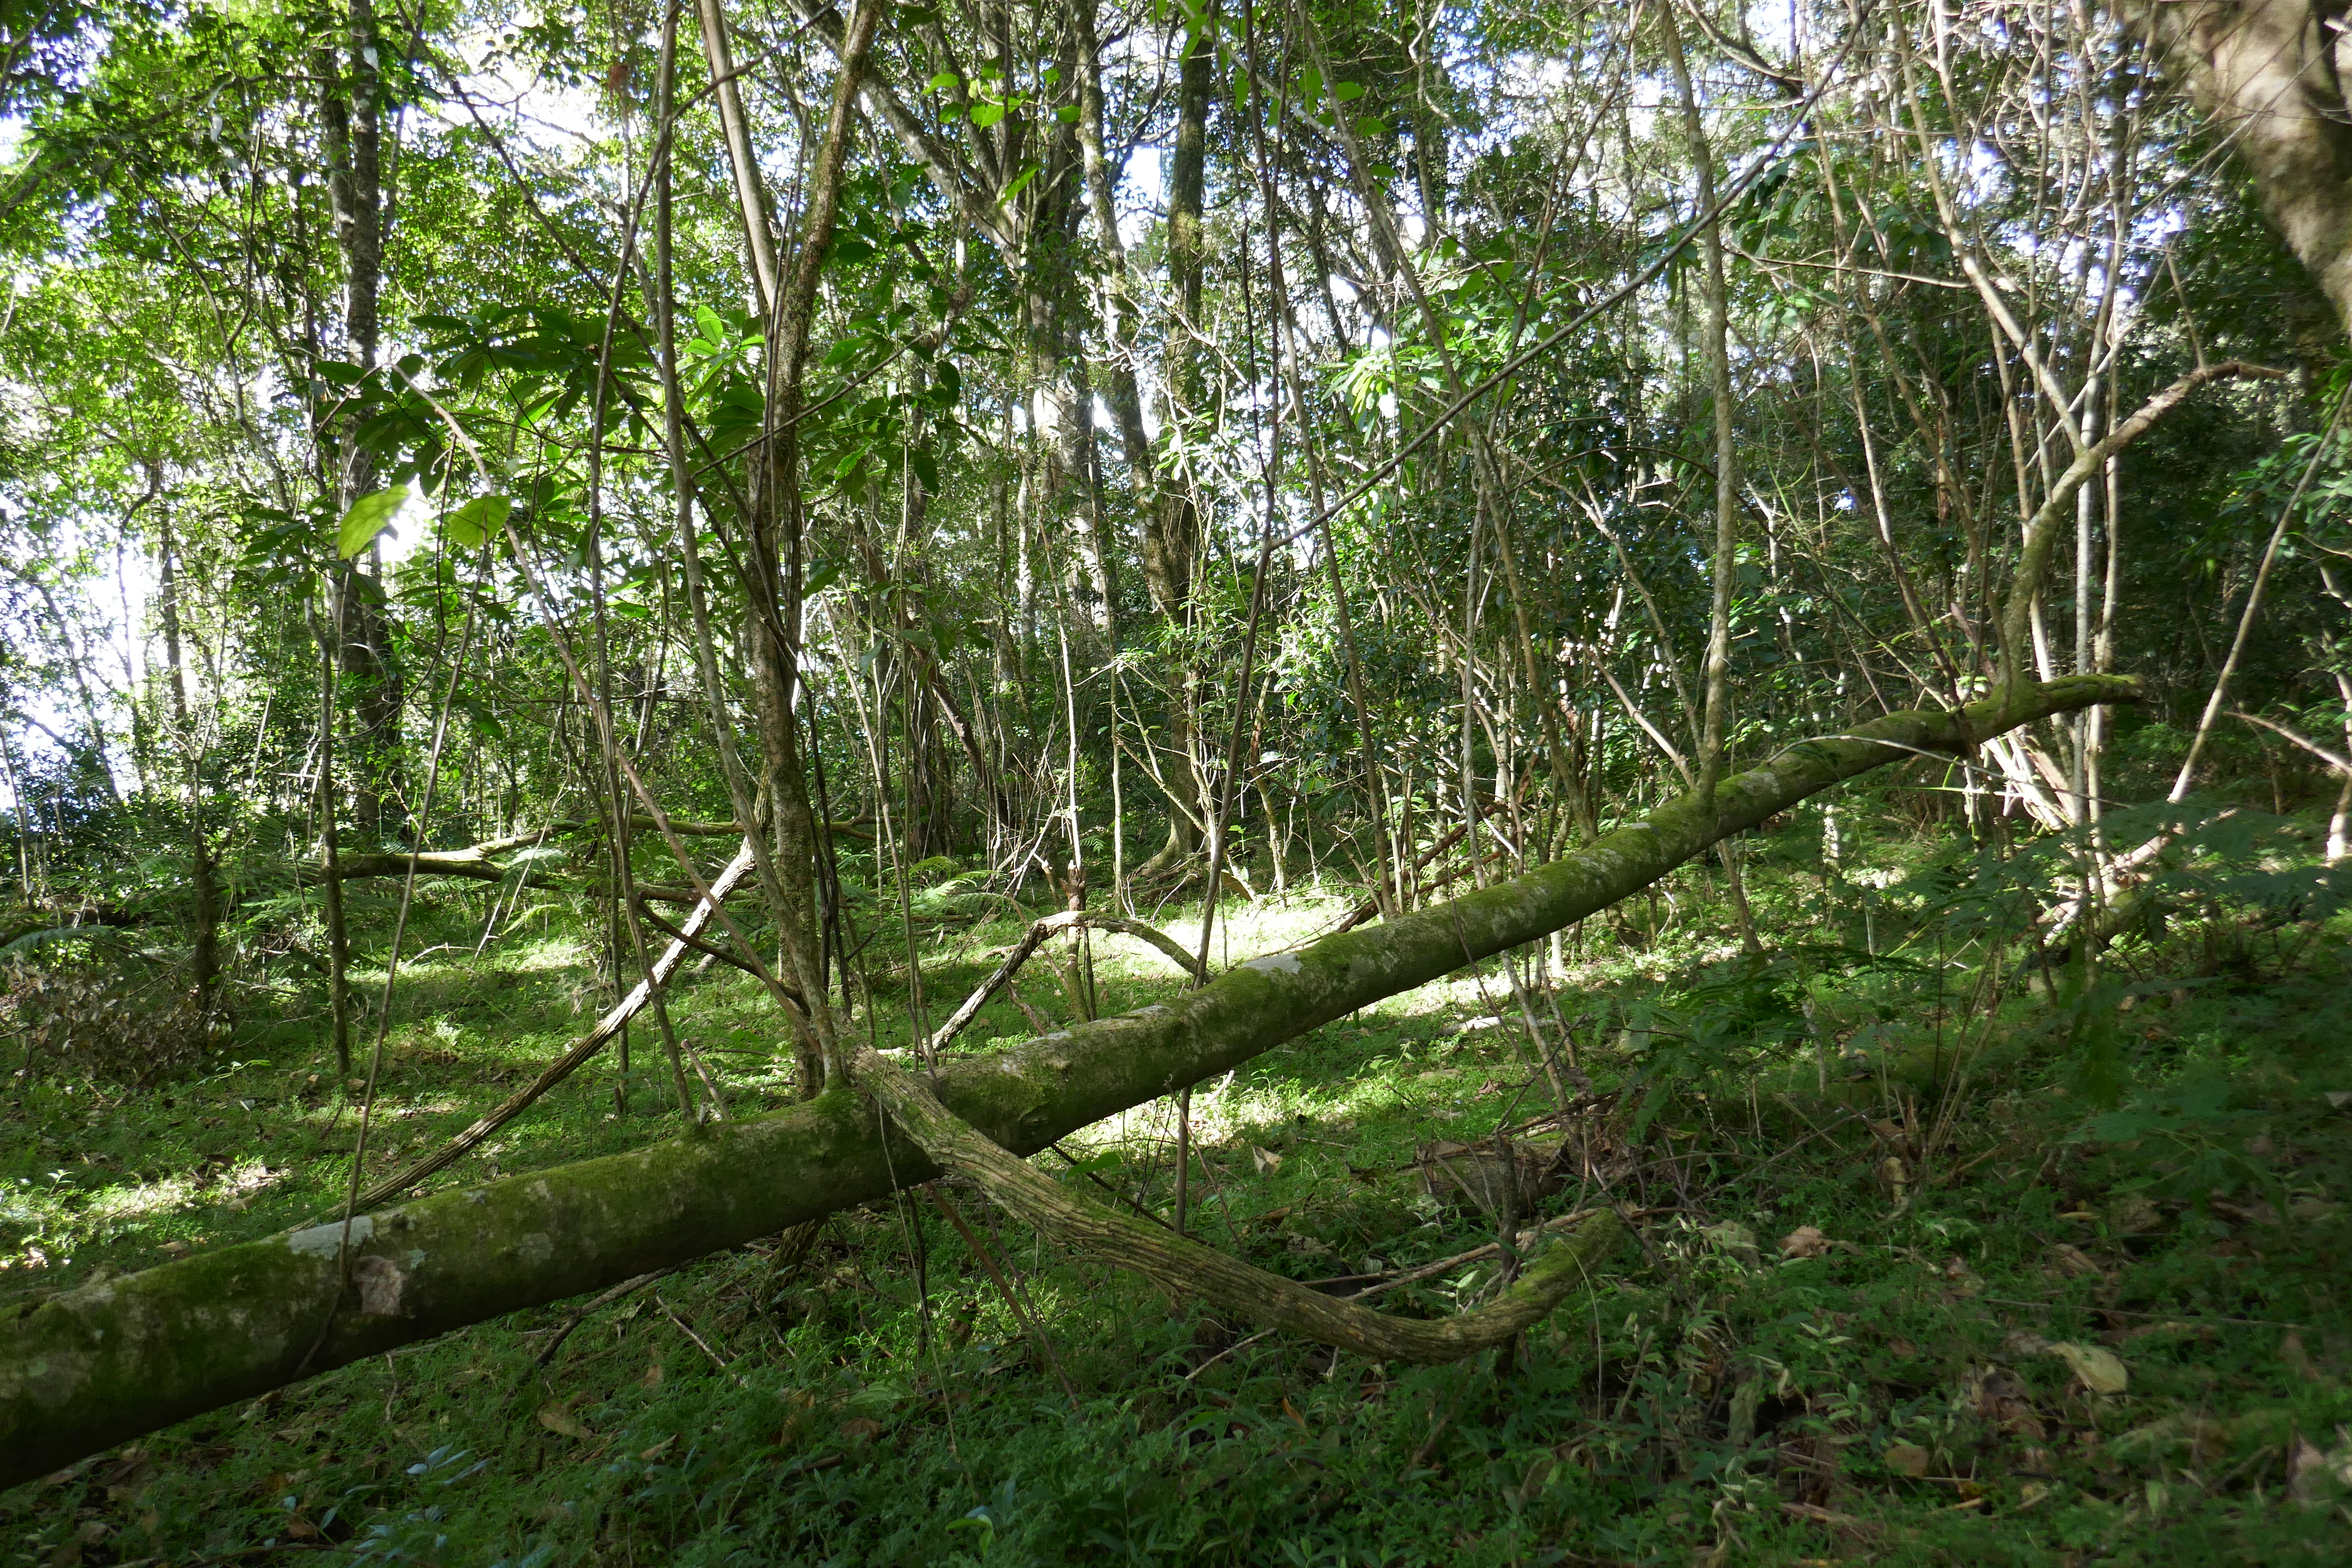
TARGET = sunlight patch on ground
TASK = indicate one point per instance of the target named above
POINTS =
(65, 1216)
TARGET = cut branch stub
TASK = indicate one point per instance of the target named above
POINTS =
(1185, 1267)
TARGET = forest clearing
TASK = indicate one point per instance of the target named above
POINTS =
(1184, 782)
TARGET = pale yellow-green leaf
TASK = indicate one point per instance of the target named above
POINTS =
(476, 521)
(2101, 1370)
(369, 516)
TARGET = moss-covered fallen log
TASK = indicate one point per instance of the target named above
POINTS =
(89, 1368)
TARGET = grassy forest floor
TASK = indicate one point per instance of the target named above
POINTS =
(1946, 1253)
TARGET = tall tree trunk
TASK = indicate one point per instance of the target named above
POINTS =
(351, 120)
(2271, 72)
(1117, 366)
(777, 559)
(203, 883)
(330, 849)
(749, 197)
(1172, 530)
(1722, 567)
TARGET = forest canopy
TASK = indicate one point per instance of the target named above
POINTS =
(601, 587)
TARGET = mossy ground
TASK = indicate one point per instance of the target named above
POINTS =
(2148, 1165)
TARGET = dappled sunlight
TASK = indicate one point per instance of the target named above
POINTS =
(538, 621)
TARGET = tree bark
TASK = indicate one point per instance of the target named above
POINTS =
(2269, 72)
(351, 121)
(1171, 529)
(775, 563)
(94, 1366)
(203, 881)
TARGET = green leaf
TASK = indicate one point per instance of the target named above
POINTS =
(941, 82)
(1068, 114)
(1348, 91)
(341, 375)
(712, 327)
(472, 524)
(987, 114)
(1015, 189)
(849, 250)
(926, 466)
(369, 516)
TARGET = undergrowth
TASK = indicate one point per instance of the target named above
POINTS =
(1948, 1249)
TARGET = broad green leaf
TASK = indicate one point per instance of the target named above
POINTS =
(926, 466)
(341, 375)
(711, 326)
(1348, 91)
(1015, 188)
(1068, 114)
(471, 524)
(987, 114)
(942, 81)
(369, 516)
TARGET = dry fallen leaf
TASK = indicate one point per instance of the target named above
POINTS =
(659, 1450)
(1905, 1459)
(2001, 1399)
(560, 1421)
(2101, 1370)
(1805, 1241)
(2074, 1263)
(860, 1429)
(1269, 1162)
(2313, 1475)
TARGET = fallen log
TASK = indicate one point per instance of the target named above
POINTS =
(91, 1367)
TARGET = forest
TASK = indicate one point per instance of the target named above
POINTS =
(1245, 782)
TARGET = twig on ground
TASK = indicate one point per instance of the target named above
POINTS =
(1229, 1350)
(671, 1314)
(624, 1287)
